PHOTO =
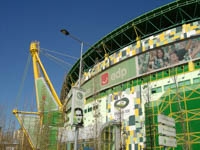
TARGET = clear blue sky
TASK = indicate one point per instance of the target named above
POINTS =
(23, 21)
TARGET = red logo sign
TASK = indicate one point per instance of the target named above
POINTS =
(104, 79)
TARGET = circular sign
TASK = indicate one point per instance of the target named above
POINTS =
(79, 95)
(122, 103)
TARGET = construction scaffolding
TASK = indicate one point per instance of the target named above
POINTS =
(188, 97)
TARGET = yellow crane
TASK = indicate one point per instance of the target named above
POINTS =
(46, 97)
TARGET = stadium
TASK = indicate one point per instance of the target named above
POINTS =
(137, 88)
(145, 69)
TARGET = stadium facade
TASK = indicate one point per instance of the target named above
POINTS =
(146, 68)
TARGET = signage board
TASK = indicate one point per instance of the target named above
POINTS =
(166, 120)
(76, 116)
(112, 76)
(165, 130)
(167, 141)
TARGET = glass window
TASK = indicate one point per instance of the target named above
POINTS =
(173, 85)
(184, 83)
(90, 109)
(196, 80)
(156, 90)
(166, 87)
(159, 89)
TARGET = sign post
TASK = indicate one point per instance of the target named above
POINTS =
(166, 131)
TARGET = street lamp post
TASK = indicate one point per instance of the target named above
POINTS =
(65, 32)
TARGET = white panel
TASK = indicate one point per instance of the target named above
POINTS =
(167, 141)
(166, 120)
(165, 130)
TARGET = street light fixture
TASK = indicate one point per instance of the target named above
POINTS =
(65, 32)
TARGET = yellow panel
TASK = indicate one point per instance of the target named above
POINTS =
(191, 66)
(185, 28)
(138, 44)
(165, 42)
(108, 106)
(136, 112)
(142, 146)
(111, 118)
(85, 74)
(138, 100)
(104, 64)
(134, 139)
(138, 146)
(128, 141)
(112, 97)
(143, 48)
(111, 58)
(157, 44)
(176, 37)
(132, 90)
(188, 27)
(193, 27)
(162, 37)
(131, 133)
(133, 52)
(150, 42)
(127, 146)
(115, 60)
(120, 54)
(198, 32)
(128, 50)
(172, 33)
(85, 101)
(98, 67)
(127, 128)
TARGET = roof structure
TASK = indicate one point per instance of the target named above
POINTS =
(158, 20)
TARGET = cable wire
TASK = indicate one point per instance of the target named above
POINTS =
(58, 59)
(56, 52)
(23, 79)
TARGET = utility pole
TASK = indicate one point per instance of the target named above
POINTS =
(79, 84)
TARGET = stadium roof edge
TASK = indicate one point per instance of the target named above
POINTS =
(150, 23)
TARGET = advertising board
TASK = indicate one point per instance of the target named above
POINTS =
(114, 75)
(77, 102)
(169, 55)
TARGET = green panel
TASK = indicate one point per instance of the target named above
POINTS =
(159, 75)
(112, 76)
(186, 121)
(197, 64)
(135, 82)
(31, 124)
(166, 73)
(153, 77)
(180, 69)
(140, 81)
(172, 71)
(46, 100)
(186, 68)
(53, 118)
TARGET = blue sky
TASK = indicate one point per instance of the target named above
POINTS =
(23, 21)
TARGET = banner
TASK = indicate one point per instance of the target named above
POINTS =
(169, 55)
(75, 107)
(114, 75)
